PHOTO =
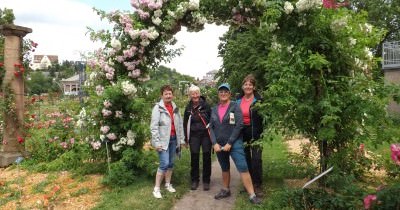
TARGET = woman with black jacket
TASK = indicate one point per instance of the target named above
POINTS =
(195, 121)
(252, 129)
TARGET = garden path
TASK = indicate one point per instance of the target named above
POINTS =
(204, 200)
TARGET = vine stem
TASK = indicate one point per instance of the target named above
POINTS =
(108, 158)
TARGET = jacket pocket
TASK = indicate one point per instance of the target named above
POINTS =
(164, 132)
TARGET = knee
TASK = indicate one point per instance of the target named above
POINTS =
(242, 167)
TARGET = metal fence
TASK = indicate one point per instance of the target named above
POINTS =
(391, 55)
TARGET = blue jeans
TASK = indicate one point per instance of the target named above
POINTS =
(167, 157)
(238, 157)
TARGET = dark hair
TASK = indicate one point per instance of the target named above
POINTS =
(249, 78)
(166, 88)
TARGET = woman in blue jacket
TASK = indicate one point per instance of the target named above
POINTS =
(226, 135)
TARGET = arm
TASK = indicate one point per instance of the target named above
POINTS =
(185, 123)
(211, 127)
(154, 127)
(180, 130)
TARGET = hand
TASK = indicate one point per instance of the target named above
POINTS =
(227, 147)
(159, 149)
(217, 147)
(184, 145)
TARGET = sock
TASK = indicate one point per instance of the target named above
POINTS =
(252, 196)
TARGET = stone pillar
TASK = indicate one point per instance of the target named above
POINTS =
(13, 122)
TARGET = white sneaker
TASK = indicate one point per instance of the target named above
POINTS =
(157, 193)
(170, 188)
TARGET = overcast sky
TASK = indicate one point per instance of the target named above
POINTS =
(59, 27)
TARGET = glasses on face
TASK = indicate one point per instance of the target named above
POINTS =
(223, 91)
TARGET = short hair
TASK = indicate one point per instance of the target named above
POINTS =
(194, 88)
(166, 88)
(249, 78)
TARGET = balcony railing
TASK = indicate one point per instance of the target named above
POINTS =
(391, 55)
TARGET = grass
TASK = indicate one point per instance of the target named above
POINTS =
(139, 195)
(276, 168)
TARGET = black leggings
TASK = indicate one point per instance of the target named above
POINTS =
(253, 157)
(197, 140)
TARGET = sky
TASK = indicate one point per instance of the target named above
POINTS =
(60, 26)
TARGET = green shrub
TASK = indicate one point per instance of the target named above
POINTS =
(388, 197)
(132, 164)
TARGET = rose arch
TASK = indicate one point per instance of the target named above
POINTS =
(309, 57)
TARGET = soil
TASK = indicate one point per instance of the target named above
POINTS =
(61, 191)
(52, 191)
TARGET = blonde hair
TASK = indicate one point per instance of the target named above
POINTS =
(194, 88)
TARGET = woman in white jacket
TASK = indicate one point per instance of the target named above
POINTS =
(166, 136)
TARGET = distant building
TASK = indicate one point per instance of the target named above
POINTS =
(43, 61)
(71, 86)
(391, 69)
(209, 79)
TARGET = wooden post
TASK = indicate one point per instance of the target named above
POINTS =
(11, 149)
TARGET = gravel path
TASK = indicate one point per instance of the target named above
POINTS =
(204, 200)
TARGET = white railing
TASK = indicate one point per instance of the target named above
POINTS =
(391, 55)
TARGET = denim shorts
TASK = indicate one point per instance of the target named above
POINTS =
(167, 157)
(238, 157)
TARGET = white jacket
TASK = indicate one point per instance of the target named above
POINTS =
(160, 126)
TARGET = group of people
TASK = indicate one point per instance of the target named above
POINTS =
(229, 128)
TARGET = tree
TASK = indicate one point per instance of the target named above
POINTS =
(316, 68)
(383, 14)
(39, 83)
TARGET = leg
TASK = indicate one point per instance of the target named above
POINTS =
(223, 159)
(195, 143)
(171, 157)
(206, 167)
(206, 147)
(159, 178)
(194, 170)
(246, 179)
(247, 136)
(163, 158)
(226, 179)
(257, 166)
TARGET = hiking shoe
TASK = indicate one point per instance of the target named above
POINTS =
(222, 194)
(194, 186)
(206, 186)
(157, 193)
(170, 188)
(255, 200)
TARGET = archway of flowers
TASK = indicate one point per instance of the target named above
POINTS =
(116, 114)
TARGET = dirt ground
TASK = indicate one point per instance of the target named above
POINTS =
(52, 191)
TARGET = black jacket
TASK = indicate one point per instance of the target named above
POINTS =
(256, 120)
(196, 115)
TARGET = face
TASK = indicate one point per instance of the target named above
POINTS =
(224, 95)
(195, 96)
(248, 88)
(167, 96)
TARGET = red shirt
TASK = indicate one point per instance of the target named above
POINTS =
(171, 113)
(245, 107)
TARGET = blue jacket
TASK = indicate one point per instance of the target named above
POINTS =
(226, 131)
